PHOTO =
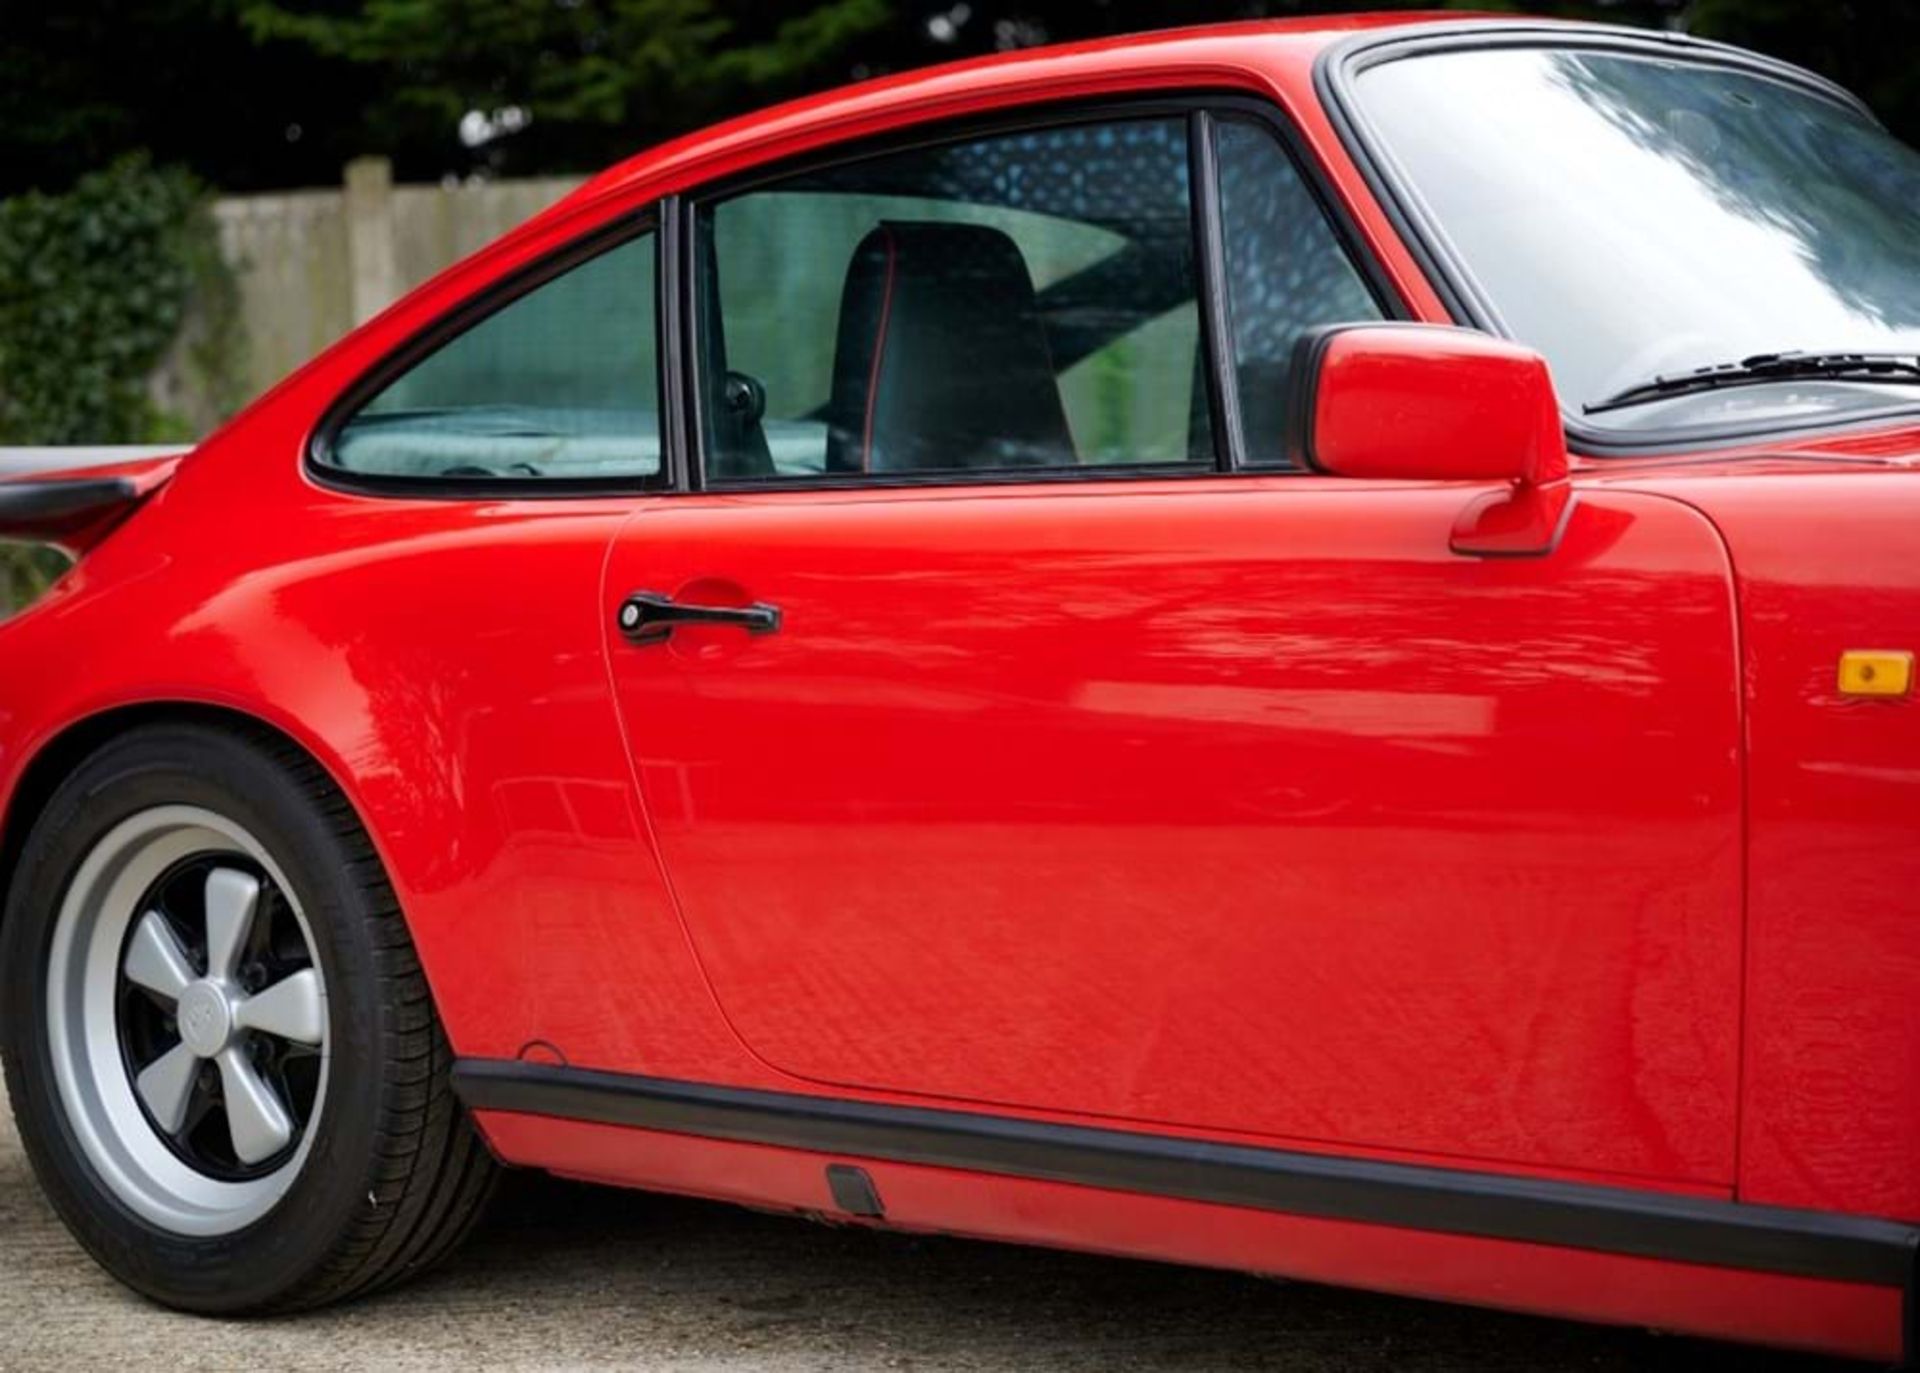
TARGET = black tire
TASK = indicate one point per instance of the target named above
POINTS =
(395, 1174)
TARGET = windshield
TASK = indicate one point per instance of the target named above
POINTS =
(1633, 217)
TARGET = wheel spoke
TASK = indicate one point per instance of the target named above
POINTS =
(155, 959)
(291, 1008)
(166, 1086)
(232, 899)
(256, 1121)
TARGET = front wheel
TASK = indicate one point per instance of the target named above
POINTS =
(218, 1042)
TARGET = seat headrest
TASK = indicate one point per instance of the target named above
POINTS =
(942, 360)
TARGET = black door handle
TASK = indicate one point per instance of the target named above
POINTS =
(647, 617)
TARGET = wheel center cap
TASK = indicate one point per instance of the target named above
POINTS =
(204, 1018)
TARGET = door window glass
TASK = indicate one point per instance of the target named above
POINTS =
(1022, 301)
(1286, 273)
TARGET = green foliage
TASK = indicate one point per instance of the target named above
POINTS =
(591, 73)
(85, 81)
(95, 285)
(1865, 45)
(25, 571)
(286, 91)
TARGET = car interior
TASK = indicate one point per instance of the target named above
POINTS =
(1017, 302)
(952, 349)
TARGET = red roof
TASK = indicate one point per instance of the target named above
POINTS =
(1030, 72)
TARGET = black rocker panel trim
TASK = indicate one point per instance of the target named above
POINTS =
(1613, 1220)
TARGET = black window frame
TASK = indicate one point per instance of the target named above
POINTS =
(1335, 75)
(1200, 113)
(469, 313)
(670, 218)
(1392, 306)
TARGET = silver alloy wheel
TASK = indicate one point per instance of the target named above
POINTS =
(127, 1115)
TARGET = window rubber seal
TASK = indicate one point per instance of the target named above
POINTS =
(1337, 69)
(1184, 106)
(469, 313)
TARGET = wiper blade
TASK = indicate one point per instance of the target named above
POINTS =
(1765, 367)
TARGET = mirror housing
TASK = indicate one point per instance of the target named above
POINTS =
(1430, 403)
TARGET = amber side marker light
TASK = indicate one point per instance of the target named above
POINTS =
(1875, 672)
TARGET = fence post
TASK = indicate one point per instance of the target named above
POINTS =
(371, 256)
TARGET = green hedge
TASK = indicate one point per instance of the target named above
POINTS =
(26, 571)
(96, 286)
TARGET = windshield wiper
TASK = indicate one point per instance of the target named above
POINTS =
(1765, 367)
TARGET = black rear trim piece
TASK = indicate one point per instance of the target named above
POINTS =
(27, 505)
(1614, 1220)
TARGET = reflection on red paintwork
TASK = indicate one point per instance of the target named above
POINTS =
(1240, 807)
(1213, 804)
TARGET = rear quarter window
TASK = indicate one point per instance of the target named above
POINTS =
(558, 384)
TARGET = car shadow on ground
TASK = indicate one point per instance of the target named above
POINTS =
(563, 1276)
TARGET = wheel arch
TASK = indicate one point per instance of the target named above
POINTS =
(65, 749)
(399, 1189)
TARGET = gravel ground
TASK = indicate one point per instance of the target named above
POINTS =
(563, 1276)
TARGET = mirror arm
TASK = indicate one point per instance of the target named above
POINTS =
(1524, 520)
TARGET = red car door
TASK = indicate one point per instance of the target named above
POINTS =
(1079, 776)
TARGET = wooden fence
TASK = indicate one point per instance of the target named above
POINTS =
(309, 265)
(312, 264)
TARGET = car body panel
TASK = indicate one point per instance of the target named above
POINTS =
(448, 662)
(1832, 1057)
(1220, 803)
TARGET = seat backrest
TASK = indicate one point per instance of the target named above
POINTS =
(942, 361)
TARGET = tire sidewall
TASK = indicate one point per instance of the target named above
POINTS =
(246, 1268)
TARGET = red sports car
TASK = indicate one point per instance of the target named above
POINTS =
(1285, 646)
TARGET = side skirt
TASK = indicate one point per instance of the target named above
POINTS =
(1613, 1220)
